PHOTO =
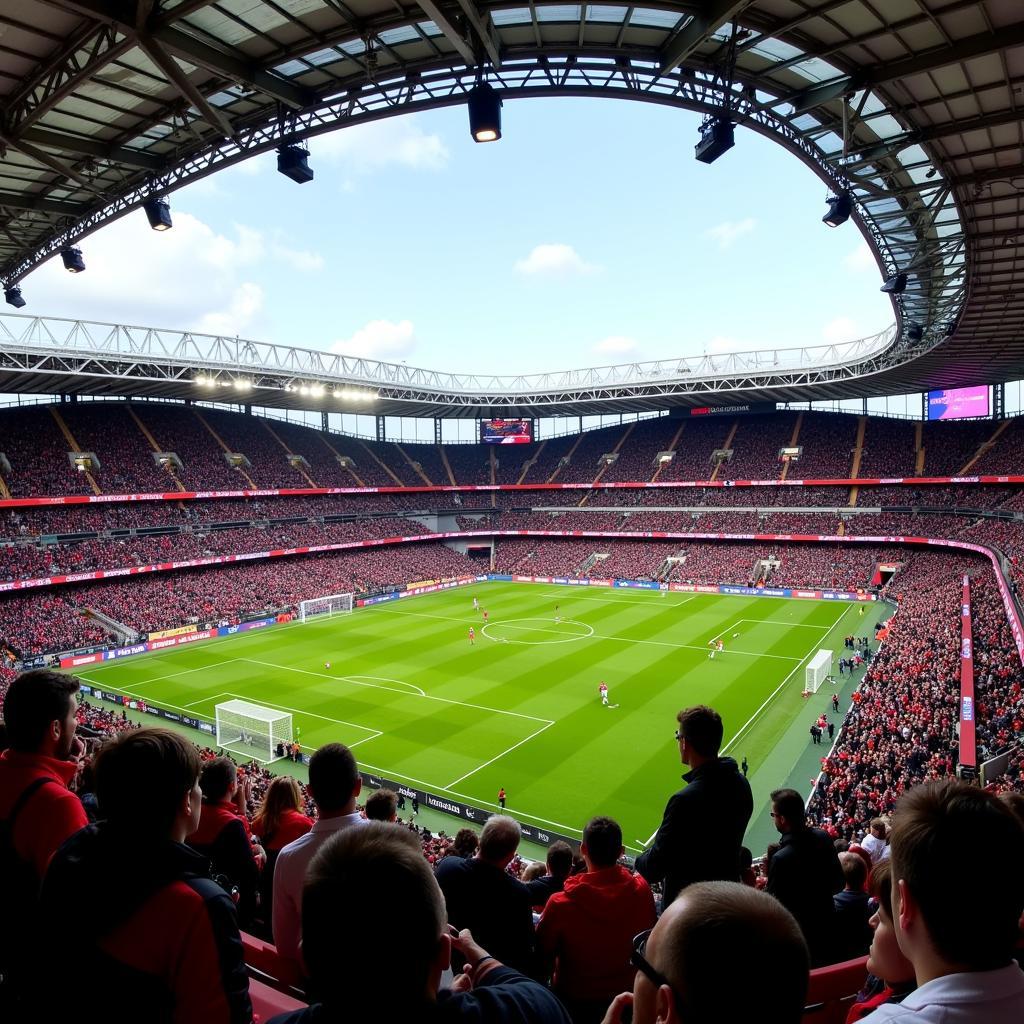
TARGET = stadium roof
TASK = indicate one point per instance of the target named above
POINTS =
(913, 105)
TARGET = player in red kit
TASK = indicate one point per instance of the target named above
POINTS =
(485, 616)
(472, 637)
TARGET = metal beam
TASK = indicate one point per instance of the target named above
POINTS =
(180, 44)
(482, 28)
(169, 66)
(932, 60)
(711, 17)
(450, 32)
(83, 146)
(55, 165)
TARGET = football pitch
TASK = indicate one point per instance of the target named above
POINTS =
(520, 707)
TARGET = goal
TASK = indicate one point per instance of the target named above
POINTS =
(252, 730)
(818, 670)
(336, 604)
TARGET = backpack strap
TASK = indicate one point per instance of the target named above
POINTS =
(26, 794)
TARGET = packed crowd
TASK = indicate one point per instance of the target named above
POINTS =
(210, 847)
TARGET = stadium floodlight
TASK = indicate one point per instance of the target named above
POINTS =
(840, 207)
(242, 384)
(895, 285)
(12, 296)
(915, 332)
(716, 137)
(72, 257)
(293, 162)
(484, 113)
(158, 212)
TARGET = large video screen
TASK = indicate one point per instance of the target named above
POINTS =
(506, 431)
(958, 403)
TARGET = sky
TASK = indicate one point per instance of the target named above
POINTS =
(588, 235)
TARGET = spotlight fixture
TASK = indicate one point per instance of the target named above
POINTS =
(72, 257)
(484, 113)
(716, 137)
(840, 207)
(12, 296)
(293, 162)
(915, 332)
(895, 285)
(317, 391)
(158, 211)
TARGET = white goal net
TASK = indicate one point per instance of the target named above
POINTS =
(253, 731)
(335, 604)
(819, 668)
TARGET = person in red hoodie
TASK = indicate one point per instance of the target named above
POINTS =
(224, 834)
(37, 810)
(586, 932)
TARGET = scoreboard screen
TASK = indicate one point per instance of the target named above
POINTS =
(506, 431)
(958, 403)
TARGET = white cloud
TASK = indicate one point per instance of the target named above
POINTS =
(189, 278)
(839, 330)
(366, 147)
(861, 259)
(379, 339)
(617, 345)
(554, 259)
(298, 259)
(728, 231)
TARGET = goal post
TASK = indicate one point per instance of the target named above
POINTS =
(334, 604)
(253, 730)
(819, 668)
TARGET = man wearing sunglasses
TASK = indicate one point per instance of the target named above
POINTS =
(702, 828)
(721, 952)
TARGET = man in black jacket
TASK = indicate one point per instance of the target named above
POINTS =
(482, 897)
(134, 908)
(805, 874)
(702, 828)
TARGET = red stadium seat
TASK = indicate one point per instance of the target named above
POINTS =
(832, 990)
(269, 967)
(267, 1002)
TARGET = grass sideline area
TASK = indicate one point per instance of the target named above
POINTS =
(520, 708)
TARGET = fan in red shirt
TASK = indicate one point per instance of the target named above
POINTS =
(278, 822)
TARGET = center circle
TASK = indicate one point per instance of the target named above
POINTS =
(547, 631)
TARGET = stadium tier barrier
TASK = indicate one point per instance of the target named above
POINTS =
(600, 485)
(832, 990)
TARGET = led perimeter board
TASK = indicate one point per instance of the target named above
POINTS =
(506, 431)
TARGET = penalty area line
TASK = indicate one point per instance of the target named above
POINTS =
(496, 757)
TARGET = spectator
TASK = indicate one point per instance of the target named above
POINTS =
(278, 822)
(851, 934)
(702, 828)
(224, 835)
(483, 898)
(585, 934)
(168, 939)
(688, 965)
(559, 863)
(376, 942)
(805, 873)
(37, 810)
(335, 783)
(890, 973)
(382, 806)
(876, 842)
(464, 845)
(961, 945)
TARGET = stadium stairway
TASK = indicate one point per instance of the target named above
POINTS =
(568, 459)
(858, 452)
(448, 466)
(727, 445)
(671, 448)
(604, 465)
(334, 451)
(224, 447)
(414, 466)
(990, 443)
(529, 463)
(919, 448)
(70, 438)
(792, 443)
(298, 466)
(380, 462)
(152, 442)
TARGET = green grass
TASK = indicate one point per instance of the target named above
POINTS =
(520, 709)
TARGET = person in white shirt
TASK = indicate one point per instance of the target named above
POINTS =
(957, 895)
(876, 842)
(335, 783)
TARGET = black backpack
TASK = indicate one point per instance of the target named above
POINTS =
(21, 889)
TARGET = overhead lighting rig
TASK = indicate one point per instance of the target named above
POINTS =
(158, 212)
(293, 162)
(72, 259)
(484, 111)
(12, 296)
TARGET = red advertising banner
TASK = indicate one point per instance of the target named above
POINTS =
(968, 743)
